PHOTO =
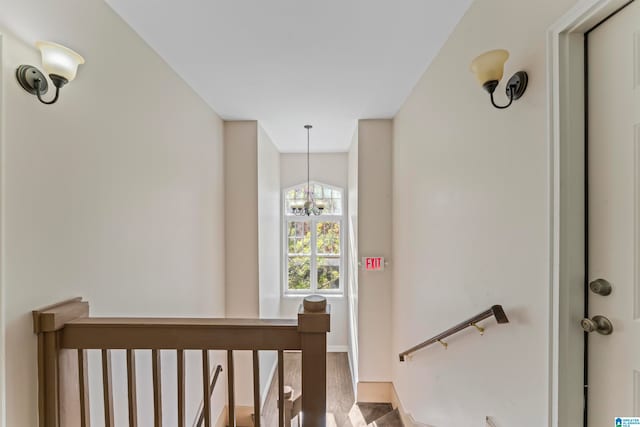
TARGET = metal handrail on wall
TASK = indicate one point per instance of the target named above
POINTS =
(200, 417)
(495, 311)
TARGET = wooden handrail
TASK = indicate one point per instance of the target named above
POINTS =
(179, 333)
(65, 332)
(212, 387)
(495, 311)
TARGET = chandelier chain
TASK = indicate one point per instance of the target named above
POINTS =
(310, 206)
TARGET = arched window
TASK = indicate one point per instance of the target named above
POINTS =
(313, 245)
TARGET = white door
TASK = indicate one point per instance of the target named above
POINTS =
(614, 215)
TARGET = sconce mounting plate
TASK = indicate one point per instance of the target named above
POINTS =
(27, 75)
(519, 82)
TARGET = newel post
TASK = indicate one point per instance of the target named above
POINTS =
(59, 370)
(313, 325)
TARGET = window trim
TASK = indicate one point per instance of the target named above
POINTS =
(340, 219)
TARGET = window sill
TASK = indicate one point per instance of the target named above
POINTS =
(327, 296)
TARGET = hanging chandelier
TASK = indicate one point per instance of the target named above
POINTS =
(310, 206)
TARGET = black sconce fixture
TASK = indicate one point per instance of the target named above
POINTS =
(489, 69)
(61, 63)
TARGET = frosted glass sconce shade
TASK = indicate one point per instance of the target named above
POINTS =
(489, 70)
(59, 60)
(60, 63)
(490, 65)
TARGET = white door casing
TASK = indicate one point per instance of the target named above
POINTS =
(566, 137)
(614, 214)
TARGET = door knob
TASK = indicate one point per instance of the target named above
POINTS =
(600, 287)
(599, 324)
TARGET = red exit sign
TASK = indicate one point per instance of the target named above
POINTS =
(373, 263)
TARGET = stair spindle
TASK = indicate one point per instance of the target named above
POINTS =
(83, 383)
(230, 387)
(157, 388)
(181, 395)
(256, 389)
(280, 388)
(107, 388)
(131, 388)
(206, 399)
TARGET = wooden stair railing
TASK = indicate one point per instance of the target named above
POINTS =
(65, 332)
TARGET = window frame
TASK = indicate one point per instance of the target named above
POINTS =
(314, 220)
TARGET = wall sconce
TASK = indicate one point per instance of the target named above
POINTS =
(489, 69)
(61, 63)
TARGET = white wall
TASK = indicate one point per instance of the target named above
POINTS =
(352, 259)
(269, 238)
(114, 193)
(3, 344)
(241, 239)
(374, 239)
(329, 169)
(241, 227)
(471, 227)
(268, 243)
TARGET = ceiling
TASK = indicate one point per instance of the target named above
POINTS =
(291, 62)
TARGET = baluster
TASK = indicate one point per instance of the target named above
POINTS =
(206, 405)
(256, 389)
(107, 388)
(230, 387)
(288, 405)
(83, 383)
(181, 395)
(157, 388)
(280, 388)
(131, 388)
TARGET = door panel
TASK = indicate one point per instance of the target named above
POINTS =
(636, 393)
(614, 214)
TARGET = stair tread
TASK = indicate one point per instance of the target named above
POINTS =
(392, 419)
(373, 411)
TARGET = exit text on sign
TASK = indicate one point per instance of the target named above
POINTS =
(373, 263)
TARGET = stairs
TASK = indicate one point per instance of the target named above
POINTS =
(391, 419)
(373, 415)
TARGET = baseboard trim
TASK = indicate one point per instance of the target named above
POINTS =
(337, 348)
(407, 418)
(222, 418)
(354, 377)
(384, 392)
(243, 416)
(265, 393)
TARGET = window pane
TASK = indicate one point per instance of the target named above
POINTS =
(328, 273)
(328, 240)
(299, 237)
(299, 272)
(337, 206)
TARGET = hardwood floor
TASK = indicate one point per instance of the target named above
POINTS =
(340, 398)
